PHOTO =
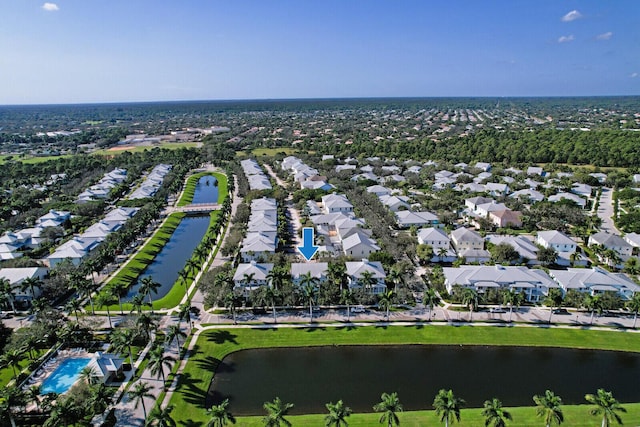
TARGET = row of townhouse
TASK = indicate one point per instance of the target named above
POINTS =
(12, 243)
(262, 231)
(101, 190)
(305, 175)
(401, 207)
(498, 213)
(81, 245)
(339, 230)
(255, 175)
(249, 276)
(535, 283)
(152, 182)
(468, 244)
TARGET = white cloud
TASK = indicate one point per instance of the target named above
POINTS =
(604, 36)
(566, 39)
(571, 16)
(633, 75)
(50, 7)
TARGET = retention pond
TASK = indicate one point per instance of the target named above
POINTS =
(311, 377)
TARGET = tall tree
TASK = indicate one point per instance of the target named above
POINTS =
(470, 299)
(605, 405)
(338, 414)
(447, 406)
(495, 415)
(158, 360)
(430, 299)
(220, 415)
(389, 406)
(105, 299)
(161, 417)
(386, 301)
(548, 408)
(310, 291)
(148, 286)
(138, 393)
(174, 333)
(347, 298)
(554, 299)
(6, 293)
(634, 306)
(277, 410)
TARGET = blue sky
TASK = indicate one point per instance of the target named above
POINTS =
(66, 51)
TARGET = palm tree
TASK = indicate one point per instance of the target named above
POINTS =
(495, 415)
(269, 295)
(157, 361)
(442, 252)
(161, 418)
(183, 275)
(137, 302)
(548, 407)
(33, 394)
(220, 415)
(430, 299)
(593, 303)
(338, 413)
(6, 412)
(64, 413)
(145, 324)
(448, 406)
(148, 286)
(510, 298)
(337, 272)
(31, 283)
(554, 299)
(74, 305)
(367, 280)
(192, 265)
(174, 333)
(7, 293)
(606, 405)
(347, 298)
(100, 398)
(12, 358)
(470, 299)
(395, 277)
(231, 301)
(389, 406)
(139, 392)
(634, 306)
(84, 288)
(105, 299)
(310, 291)
(184, 313)
(276, 411)
(121, 340)
(386, 301)
(89, 375)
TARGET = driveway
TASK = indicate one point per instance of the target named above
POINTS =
(605, 211)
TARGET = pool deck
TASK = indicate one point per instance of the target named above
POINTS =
(48, 367)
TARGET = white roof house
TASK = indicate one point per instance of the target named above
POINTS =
(556, 240)
(525, 247)
(406, 219)
(568, 196)
(528, 193)
(464, 238)
(318, 270)
(249, 276)
(336, 203)
(395, 203)
(359, 245)
(633, 239)
(612, 241)
(378, 190)
(356, 269)
(16, 276)
(434, 237)
(595, 281)
(533, 282)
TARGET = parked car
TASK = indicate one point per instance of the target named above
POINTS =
(358, 309)
(559, 311)
(497, 310)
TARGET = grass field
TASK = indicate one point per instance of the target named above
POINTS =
(214, 345)
(140, 148)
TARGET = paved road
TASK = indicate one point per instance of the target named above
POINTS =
(605, 211)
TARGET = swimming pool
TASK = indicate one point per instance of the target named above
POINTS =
(65, 375)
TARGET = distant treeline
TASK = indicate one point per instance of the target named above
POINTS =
(598, 147)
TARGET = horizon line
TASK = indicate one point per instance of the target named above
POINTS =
(317, 99)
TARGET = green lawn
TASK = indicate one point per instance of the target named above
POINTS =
(32, 159)
(273, 151)
(140, 148)
(214, 345)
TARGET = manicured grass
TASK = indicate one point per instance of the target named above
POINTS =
(32, 159)
(6, 373)
(574, 416)
(128, 275)
(140, 148)
(273, 151)
(214, 345)
(190, 187)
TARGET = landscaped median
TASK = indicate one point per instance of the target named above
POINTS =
(213, 345)
(192, 182)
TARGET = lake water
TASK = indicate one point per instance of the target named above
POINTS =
(311, 377)
(173, 256)
(206, 190)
